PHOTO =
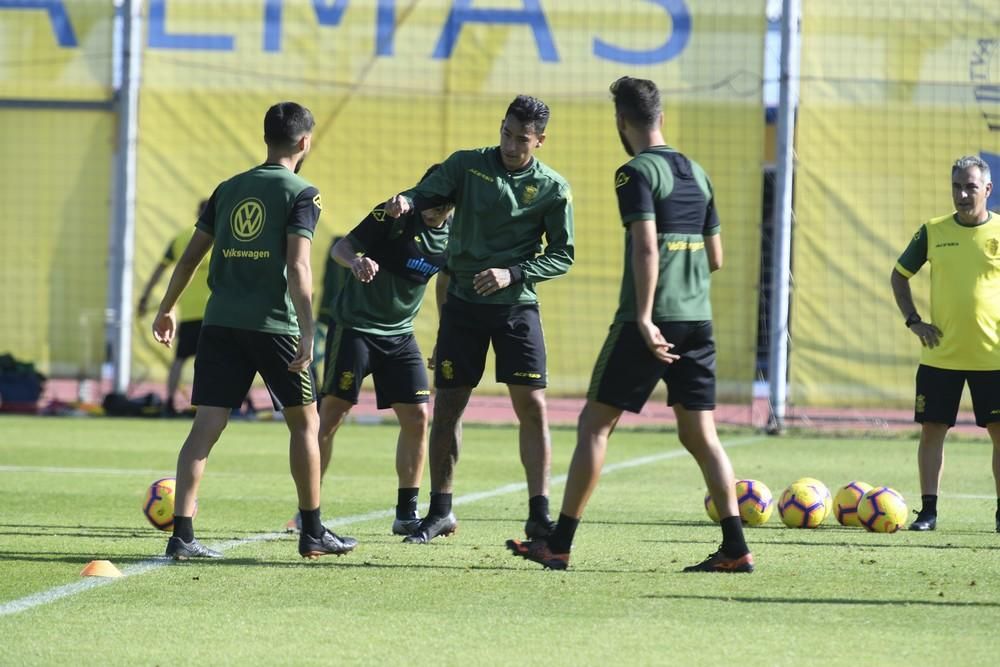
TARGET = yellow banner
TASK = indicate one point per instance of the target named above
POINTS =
(52, 50)
(892, 94)
(55, 185)
(395, 86)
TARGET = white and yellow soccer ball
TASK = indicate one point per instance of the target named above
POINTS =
(158, 506)
(802, 506)
(754, 500)
(845, 503)
(882, 510)
(823, 490)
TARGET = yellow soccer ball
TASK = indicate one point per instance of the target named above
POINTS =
(802, 506)
(882, 510)
(845, 503)
(823, 489)
(158, 506)
(756, 504)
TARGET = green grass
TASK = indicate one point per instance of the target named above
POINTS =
(834, 596)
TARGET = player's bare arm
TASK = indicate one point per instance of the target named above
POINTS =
(441, 282)
(300, 291)
(929, 335)
(361, 266)
(165, 322)
(645, 264)
(713, 249)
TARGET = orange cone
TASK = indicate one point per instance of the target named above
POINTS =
(100, 568)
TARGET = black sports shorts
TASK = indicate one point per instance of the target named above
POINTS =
(187, 339)
(939, 392)
(394, 362)
(228, 359)
(626, 372)
(464, 336)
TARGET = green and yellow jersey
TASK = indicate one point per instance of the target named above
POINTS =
(195, 297)
(965, 290)
(662, 184)
(500, 220)
(408, 253)
(250, 216)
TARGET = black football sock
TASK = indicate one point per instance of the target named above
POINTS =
(406, 502)
(440, 504)
(312, 525)
(733, 543)
(929, 505)
(183, 528)
(998, 509)
(538, 507)
(561, 539)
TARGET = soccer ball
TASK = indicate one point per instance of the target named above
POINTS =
(845, 503)
(882, 510)
(802, 506)
(824, 491)
(159, 503)
(754, 500)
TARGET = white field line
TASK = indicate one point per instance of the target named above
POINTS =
(68, 590)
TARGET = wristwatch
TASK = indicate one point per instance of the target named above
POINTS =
(912, 319)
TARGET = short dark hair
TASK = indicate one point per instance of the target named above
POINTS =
(638, 100)
(285, 123)
(528, 109)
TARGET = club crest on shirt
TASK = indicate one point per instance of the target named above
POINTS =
(992, 247)
(529, 194)
(621, 179)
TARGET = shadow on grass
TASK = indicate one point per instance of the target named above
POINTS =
(830, 601)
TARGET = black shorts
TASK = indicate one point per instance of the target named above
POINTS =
(394, 362)
(626, 372)
(228, 359)
(939, 392)
(187, 339)
(465, 334)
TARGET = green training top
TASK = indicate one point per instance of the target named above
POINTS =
(662, 184)
(250, 216)
(408, 253)
(500, 220)
(965, 290)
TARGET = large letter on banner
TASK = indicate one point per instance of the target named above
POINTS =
(58, 17)
(463, 12)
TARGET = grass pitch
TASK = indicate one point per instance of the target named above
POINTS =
(70, 492)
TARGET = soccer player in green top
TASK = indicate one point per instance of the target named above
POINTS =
(662, 330)
(259, 226)
(960, 342)
(390, 263)
(506, 202)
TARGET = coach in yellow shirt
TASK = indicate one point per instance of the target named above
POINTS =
(961, 342)
(191, 305)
